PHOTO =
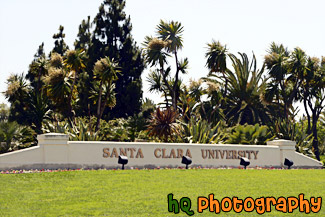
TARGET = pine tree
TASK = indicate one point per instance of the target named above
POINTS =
(40, 51)
(85, 81)
(84, 35)
(112, 37)
(60, 46)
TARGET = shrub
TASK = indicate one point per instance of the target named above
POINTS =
(249, 134)
(200, 131)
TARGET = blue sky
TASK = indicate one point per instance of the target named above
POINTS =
(244, 26)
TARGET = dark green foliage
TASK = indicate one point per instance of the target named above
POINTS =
(13, 136)
(249, 134)
(84, 129)
(28, 107)
(201, 131)
(285, 71)
(285, 129)
(40, 52)
(37, 69)
(8, 134)
(216, 57)
(105, 71)
(156, 52)
(246, 85)
(112, 37)
(4, 112)
(84, 35)
(140, 121)
(60, 46)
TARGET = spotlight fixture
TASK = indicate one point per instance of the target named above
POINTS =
(244, 162)
(122, 160)
(288, 162)
(186, 160)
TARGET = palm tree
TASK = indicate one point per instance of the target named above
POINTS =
(105, 70)
(37, 70)
(38, 110)
(285, 71)
(157, 85)
(9, 131)
(56, 60)
(17, 88)
(154, 52)
(313, 97)
(74, 62)
(246, 86)
(58, 85)
(28, 107)
(172, 34)
(168, 43)
(4, 112)
(17, 94)
(216, 60)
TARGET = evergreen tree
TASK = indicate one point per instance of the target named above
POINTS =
(84, 84)
(40, 51)
(60, 46)
(84, 35)
(112, 37)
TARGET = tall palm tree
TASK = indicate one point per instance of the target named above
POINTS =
(168, 43)
(154, 52)
(171, 32)
(216, 60)
(58, 85)
(17, 94)
(285, 70)
(37, 70)
(313, 97)
(28, 107)
(75, 63)
(17, 88)
(246, 85)
(56, 60)
(105, 70)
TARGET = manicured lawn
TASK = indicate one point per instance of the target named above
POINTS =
(144, 192)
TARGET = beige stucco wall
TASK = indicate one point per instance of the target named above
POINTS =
(92, 152)
(55, 151)
(19, 158)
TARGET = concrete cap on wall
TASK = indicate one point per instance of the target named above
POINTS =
(283, 144)
(53, 139)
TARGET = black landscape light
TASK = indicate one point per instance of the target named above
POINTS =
(288, 162)
(186, 160)
(123, 160)
(244, 162)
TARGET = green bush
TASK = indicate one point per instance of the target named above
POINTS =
(249, 134)
(200, 131)
(14, 136)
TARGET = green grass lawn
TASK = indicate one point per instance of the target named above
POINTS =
(144, 192)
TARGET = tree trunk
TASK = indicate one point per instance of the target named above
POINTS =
(99, 105)
(175, 86)
(308, 116)
(70, 97)
(166, 99)
(315, 141)
(226, 85)
(166, 82)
